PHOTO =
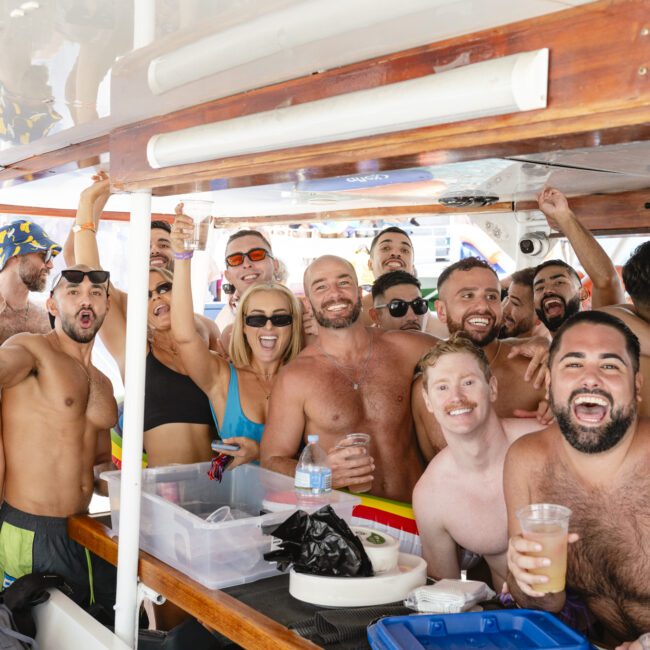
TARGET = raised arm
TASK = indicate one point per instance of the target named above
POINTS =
(91, 203)
(438, 547)
(607, 287)
(205, 369)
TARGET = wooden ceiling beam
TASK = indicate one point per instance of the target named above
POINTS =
(599, 93)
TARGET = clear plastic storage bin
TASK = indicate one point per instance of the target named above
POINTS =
(176, 527)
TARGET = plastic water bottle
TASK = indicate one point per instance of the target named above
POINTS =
(313, 476)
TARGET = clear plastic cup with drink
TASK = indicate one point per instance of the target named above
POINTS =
(200, 212)
(548, 525)
(359, 445)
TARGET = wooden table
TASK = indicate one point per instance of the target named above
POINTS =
(213, 607)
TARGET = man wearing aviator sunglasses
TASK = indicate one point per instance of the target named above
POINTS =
(249, 261)
(26, 254)
(397, 302)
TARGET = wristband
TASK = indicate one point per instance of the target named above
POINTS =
(184, 255)
(84, 226)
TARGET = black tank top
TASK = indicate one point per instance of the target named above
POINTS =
(172, 397)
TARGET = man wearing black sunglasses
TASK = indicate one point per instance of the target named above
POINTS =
(57, 409)
(26, 254)
(397, 302)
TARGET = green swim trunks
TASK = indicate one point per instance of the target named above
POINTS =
(35, 544)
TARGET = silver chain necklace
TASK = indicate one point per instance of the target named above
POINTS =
(364, 371)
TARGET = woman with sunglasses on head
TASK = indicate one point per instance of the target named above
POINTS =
(266, 334)
(177, 420)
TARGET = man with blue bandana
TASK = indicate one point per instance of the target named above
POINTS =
(26, 254)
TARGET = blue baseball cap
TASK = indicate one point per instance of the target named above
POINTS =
(22, 237)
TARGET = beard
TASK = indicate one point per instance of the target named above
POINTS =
(32, 278)
(597, 439)
(77, 334)
(522, 327)
(337, 322)
(553, 323)
(478, 339)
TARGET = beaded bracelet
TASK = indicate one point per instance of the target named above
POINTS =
(185, 255)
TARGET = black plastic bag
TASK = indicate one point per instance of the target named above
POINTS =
(321, 544)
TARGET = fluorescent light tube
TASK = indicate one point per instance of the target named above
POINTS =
(495, 87)
(277, 31)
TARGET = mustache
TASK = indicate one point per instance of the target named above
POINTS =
(595, 391)
(546, 296)
(345, 301)
(90, 309)
(464, 404)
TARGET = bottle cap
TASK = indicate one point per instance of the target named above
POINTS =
(312, 438)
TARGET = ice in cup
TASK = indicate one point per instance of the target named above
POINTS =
(359, 444)
(548, 525)
(200, 212)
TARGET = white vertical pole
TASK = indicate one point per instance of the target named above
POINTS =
(126, 615)
(144, 23)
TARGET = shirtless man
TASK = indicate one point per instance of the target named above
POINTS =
(557, 290)
(519, 317)
(25, 262)
(392, 250)
(636, 277)
(57, 409)
(397, 302)
(354, 379)
(470, 301)
(594, 461)
(459, 500)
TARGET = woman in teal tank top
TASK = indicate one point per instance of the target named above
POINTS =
(266, 334)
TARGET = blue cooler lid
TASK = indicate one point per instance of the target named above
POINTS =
(510, 628)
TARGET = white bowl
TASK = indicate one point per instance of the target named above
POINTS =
(389, 587)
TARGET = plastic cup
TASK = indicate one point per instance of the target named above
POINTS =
(359, 444)
(200, 212)
(548, 525)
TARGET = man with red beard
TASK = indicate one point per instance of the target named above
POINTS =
(594, 461)
(353, 379)
(557, 291)
(26, 254)
(57, 409)
(470, 301)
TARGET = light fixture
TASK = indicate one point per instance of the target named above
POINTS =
(496, 87)
(277, 31)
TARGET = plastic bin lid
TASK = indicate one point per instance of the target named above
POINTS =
(512, 629)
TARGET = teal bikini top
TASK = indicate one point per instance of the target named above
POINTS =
(235, 423)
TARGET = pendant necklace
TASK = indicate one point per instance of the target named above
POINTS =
(364, 371)
(268, 378)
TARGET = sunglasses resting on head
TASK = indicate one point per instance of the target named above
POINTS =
(254, 255)
(277, 320)
(76, 276)
(398, 308)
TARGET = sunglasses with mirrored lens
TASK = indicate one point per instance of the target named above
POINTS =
(76, 276)
(277, 320)
(161, 289)
(254, 255)
(398, 308)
